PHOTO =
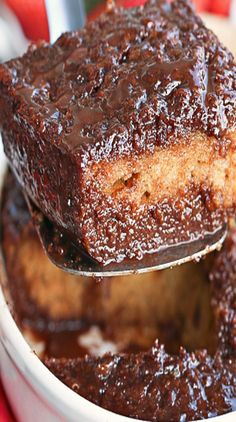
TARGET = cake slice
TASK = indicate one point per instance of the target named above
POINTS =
(45, 298)
(124, 133)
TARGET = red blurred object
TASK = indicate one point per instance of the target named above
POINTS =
(5, 411)
(132, 3)
(202, 5)
(32, 17)
(221, 7)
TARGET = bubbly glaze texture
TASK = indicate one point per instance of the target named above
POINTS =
(130, 81)
(154, 386)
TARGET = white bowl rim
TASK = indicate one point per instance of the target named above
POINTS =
(41, 379)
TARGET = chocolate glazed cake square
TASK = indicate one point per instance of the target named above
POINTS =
(123, 133)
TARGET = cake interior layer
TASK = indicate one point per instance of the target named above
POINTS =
(172, 171)
(172, 305)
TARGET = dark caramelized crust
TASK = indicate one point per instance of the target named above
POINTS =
(159, 59)
(153, 386)
(124, 133)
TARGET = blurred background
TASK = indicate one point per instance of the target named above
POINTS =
(23, 20)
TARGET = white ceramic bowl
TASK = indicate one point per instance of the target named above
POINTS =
(35, 394)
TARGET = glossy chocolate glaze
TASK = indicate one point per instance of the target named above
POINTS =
(122, 231)
(96, 91)
(154, 386)
(68, 255)
(130, 82)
